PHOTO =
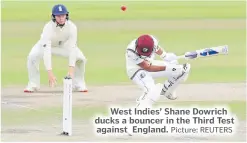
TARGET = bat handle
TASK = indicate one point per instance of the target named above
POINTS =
(188, 55)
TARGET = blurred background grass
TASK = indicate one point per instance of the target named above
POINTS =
(105, 31)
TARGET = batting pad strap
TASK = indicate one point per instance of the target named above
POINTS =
(174, 69)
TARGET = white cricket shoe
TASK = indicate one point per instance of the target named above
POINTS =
(80, 88)
(30, 89)
(171, 96)
(139, 99)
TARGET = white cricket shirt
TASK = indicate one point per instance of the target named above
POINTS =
(54, 36)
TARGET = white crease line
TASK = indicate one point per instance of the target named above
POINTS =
(27, 107)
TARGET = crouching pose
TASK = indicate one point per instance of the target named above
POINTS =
(59, 37)
(142, 69)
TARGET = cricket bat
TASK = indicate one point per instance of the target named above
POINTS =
(207, 52)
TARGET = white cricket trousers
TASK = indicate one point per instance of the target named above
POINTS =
(36, 54)
(145, 81)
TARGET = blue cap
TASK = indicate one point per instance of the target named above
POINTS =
(59, 9)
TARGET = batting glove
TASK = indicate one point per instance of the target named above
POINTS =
(170, 57)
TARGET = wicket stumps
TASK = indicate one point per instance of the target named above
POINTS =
(67, 106)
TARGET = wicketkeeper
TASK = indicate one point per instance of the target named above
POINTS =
(59, 37)
(142, 69)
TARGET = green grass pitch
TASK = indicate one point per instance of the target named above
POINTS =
(21, 30)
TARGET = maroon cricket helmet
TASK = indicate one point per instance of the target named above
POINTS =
(145, 45)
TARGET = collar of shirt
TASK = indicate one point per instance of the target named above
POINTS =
(56, 25)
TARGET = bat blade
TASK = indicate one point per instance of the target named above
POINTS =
(213, 51)
(207, 52)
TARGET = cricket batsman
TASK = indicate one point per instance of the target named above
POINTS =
(59, 37)
(142, 69)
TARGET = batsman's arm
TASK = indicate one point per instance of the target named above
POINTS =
(46, 45)
(161, 52)
(158, 49)
(155, 68)
(151, 68)
(146, 65)
(72, 54)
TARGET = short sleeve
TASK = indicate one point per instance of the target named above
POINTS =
(133, 57)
